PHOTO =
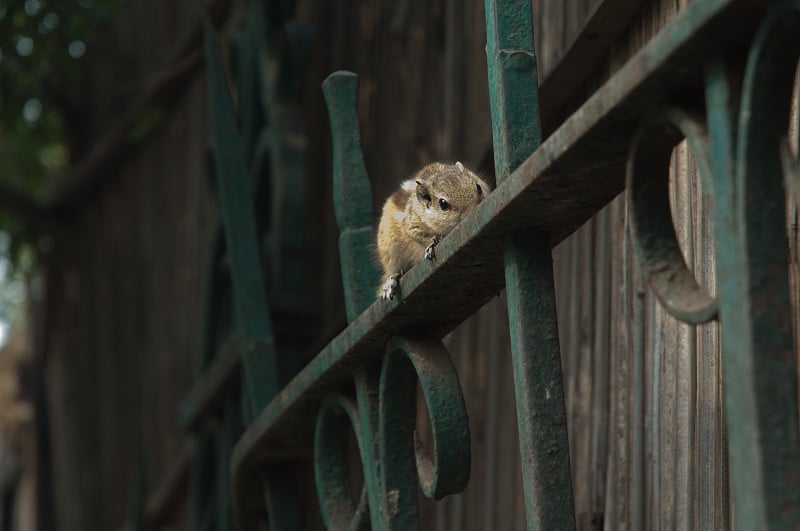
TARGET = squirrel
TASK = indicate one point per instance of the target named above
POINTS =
(417, 216)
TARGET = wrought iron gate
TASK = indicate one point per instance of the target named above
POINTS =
(721, 77)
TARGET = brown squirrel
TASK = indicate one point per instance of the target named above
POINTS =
(421, 213)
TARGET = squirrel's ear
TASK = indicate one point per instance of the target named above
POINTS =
(459, 166)
(423, 194)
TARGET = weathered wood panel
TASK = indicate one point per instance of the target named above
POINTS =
(123, 297)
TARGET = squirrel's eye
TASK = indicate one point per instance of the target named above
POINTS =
(443, 204)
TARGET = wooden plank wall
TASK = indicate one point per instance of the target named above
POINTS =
(125, 283)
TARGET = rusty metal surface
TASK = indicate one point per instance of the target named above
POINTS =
(748, 119)
(352, 195)
(535, 349)
(382, 418)
(259, 365)
(214, 384)
(651, 224)
(538, 382)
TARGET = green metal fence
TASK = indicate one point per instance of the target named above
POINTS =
(721, 77)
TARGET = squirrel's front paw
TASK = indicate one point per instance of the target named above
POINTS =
(430, 251)
(391, 287)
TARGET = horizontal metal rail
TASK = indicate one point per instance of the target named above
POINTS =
(212, 386)
(162, 504)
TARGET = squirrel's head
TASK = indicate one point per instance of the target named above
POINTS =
(445, 194)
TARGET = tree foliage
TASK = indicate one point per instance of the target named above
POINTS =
(42, 43)
(41, 46)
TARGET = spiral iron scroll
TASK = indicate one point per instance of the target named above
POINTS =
(382, 416)
(744, 163)
(647, 190)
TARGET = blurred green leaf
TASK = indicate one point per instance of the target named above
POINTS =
(42, 43)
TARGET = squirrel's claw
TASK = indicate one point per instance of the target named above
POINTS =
(391, 287)
(430, 251)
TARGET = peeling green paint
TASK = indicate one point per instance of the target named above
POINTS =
(536, 354)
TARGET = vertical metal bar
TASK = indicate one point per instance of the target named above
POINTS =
(259, 367)
(513, 83)
(227, 435)
(755, 311)
(538, 383)
(253, 324)
(536, 355)
(201, 480)
(381, 518)
(636, 353)
(137, 519)
(283, 504)
(761, 204)
(352, 195)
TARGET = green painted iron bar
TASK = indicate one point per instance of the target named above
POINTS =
(367, 389)
(559, 86)
(213, 300)
(272, 149)
(226, 434)
(770, 377)
(260, 374)
(538, 383)
(254, 331)
(352, 195)
(382, 418)
(169, 495)
(649, 212)
(513, 83)
(212, 386)
(530, 287)
(555, 190)
(201, 480)
(443, 468)
(722, 102)
(137, 521)
(748, 126)
(248, 86)
(280, 495)
(339, 415)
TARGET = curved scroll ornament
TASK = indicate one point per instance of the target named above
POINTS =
(393, 459)
(759, 347)
(647, 193)
(339, 509)
(744, 164)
